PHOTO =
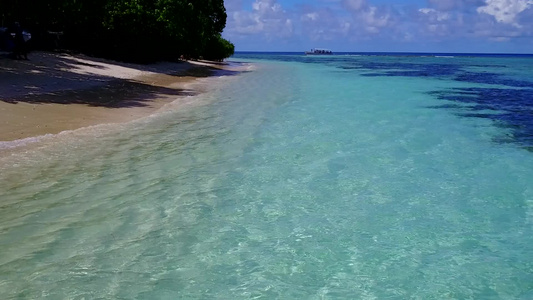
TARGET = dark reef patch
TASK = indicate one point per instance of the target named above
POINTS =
(491, 78)
(506, 101)
(490, 86)
(409, 69)
(512, 108)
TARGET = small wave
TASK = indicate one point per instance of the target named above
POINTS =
(53, 138)
(4, 145)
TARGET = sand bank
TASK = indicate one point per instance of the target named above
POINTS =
(54, 92)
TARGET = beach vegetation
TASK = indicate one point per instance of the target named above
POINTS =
(130, 30)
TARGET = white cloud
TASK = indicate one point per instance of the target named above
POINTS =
(455, 19)
(433, 24)
(347, 21)
(435, 15)
(323, 24)
(455, 5)
(374, 19)
(364, 16)
(310, 16)
(267, 7)
(266, 18)
(354, 5)
(505, 11)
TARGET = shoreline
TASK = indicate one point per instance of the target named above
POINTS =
(54, 92)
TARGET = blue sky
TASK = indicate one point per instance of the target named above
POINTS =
(484, 26)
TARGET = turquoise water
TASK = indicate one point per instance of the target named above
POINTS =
(348, 177)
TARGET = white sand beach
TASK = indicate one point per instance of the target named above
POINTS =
(53, 92)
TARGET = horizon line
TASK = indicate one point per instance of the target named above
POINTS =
(389, 52)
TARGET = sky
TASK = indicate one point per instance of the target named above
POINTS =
(467, 26)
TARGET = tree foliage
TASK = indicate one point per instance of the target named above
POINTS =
(144, 30)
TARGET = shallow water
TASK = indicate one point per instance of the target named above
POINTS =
(343, 177)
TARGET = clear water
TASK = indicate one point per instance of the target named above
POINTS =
(344, 177)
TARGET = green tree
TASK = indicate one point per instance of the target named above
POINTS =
(218, 48)
(143, 30)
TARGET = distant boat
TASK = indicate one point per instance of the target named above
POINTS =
(318, 51)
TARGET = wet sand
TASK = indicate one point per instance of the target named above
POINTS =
(53, 92)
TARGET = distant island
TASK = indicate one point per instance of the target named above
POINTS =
(319, 51)
(126, 30)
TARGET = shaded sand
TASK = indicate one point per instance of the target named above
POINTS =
(56, 92)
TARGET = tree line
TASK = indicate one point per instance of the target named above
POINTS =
(134, 30)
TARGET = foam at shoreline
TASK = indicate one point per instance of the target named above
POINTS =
(36, 108)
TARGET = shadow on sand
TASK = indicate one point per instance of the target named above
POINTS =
(62, 79)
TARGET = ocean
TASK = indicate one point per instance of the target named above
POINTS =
(352, 176)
